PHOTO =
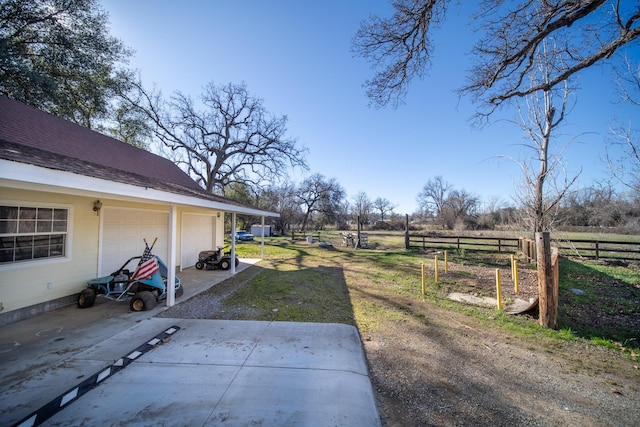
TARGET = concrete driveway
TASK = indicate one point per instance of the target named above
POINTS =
(109, 366)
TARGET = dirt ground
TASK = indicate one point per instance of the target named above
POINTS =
(437, 367)
(446, 369)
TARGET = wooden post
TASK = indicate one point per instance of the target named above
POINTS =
(406, 231)
(547, 294)
(424, 279)
(498, 289)
(446, 261)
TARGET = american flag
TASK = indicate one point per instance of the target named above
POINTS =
(147, 266)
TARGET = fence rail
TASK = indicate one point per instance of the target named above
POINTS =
(585, 248)
(501, 244)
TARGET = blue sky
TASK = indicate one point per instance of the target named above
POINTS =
(296, 56)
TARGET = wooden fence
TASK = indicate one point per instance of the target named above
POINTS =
(593, 249)
(500, 244)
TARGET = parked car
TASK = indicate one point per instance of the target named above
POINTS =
(243, 235)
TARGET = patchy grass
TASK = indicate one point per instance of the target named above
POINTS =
(366, 288)
(600, 302)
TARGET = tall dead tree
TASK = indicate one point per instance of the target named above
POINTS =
(543, 114)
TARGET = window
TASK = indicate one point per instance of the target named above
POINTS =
(29, 233)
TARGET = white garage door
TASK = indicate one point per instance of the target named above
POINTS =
(123, 231)
(197, 235)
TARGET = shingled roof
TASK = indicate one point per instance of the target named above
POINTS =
(31, 136)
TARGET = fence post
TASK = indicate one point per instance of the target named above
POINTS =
(597, 250)
(548, 302)
(406, 232)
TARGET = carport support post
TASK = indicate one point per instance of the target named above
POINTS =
(233, 243)
(262, 240)
(171, 266)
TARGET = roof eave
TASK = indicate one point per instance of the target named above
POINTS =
(25, 176)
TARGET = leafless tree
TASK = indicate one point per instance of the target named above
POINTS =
(458, 206)
(433, 195)
(596, 206)
(361, 208)
(511, 34)
(233, 139)
(623, 153)
(542, 115)
(492, 205)
(317, 194)
(282, 199)
(383, 206)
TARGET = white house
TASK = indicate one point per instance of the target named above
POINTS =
(75, 204)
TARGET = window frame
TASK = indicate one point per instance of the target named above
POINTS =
(67, 246)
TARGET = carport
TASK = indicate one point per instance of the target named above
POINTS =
(109, 196)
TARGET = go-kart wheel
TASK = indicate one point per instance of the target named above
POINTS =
(199, 265)
(87, 298)
(142, 301)
(225, 264)
(179, 292)
(237, 262)
(150, 300)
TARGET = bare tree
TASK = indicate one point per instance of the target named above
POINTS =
(458, 206)
(433, 195)
(383, 206)
(283, 200)
(585, 33)
(316, 194)
(361, 208)
(596, 206)
(543, 114)
(399, 46)
(623, 153)
(234, 139)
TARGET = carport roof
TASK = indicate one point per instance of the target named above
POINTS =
(34, 137)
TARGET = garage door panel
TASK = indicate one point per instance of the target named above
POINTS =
(197, 235)
(123, 233)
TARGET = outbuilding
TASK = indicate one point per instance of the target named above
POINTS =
(258, 230)
(74, 204)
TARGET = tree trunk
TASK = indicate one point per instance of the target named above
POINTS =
(546, 283)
